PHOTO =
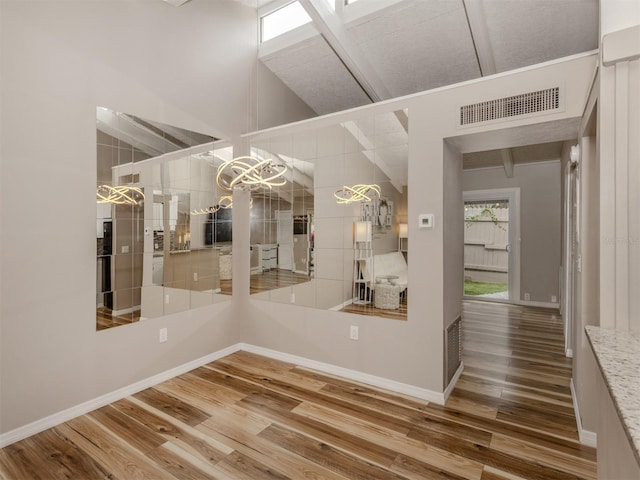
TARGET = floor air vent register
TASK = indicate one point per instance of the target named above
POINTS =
(452, 350)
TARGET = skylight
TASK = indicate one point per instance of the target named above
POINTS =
(283, 20)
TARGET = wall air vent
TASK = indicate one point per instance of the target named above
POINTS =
(452, 350)
(508, 107)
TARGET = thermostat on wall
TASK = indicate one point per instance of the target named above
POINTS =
(425, 220)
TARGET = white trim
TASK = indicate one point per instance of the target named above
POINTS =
(65, 415)
(586, 437)
(392, 385)
(452, 383)
(135, 308)
(531, 303)
(340, 306)
(569, 353)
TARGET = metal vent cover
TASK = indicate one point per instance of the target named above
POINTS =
(452, 350)
(514, 106)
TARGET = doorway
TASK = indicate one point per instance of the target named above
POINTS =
(491, 241)
(285, 239)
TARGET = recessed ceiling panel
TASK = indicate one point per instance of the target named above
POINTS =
(418, 45)
(314, 73)
(528, 32)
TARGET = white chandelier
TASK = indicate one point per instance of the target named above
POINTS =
(357, 193)
(251, 173)
(205, 211)
(119, 195)
(225, 201)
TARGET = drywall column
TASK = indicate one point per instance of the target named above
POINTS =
(618, 122)
(426, 251)
(241, 228)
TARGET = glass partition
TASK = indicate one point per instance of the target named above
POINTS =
(162, 245)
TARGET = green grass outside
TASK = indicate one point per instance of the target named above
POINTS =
(481, 288)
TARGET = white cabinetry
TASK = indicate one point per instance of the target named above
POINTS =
(267, 256)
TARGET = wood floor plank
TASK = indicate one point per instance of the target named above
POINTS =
(110, 452)
(177, 466)
(440, 460)
(20, 461)
(238, 465)
(135, 434)
(326, 455)
(489, 456)
(172, 430)
(366, 390)
(230, 426)
(323, 432)
(175, 407)
(289, 391)
(276, 369)
(545, 456)
(416, 470)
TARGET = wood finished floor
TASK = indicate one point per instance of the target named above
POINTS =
(249, 417)
(397, 314)
(106, 319)
(275, 278)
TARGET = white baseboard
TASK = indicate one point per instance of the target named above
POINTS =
(586, 437)
(126, 310)
(531, 303)
(339, 307)
(454, 380)
(57, 418)
(380, 382)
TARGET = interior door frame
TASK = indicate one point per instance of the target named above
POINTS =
(512, 195)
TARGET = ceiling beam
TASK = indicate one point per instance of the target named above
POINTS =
(474, 10)
(369, 152)
(334, 32)
(477, 22)
(507, 161)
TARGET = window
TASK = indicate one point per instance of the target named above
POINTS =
(283, 20)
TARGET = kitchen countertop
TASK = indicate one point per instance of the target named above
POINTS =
(618, 356)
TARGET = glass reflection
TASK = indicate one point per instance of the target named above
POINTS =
(156, 252)
(282, 224)
(345, 272)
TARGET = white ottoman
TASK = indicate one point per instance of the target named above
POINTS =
(225, 266)
(387, 296)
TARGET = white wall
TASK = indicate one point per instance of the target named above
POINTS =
(189, 66)
(277, 104)
(540, 216)
(453, 231)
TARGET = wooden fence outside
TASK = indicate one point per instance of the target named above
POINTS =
(486, 236)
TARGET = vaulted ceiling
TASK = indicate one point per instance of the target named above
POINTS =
(409, 46)
(377, 49)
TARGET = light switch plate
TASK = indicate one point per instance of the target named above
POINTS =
(425, 220)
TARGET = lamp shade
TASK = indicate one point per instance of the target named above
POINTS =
(363, 231)
(403, 232)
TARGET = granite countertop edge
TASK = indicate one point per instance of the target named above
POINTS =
(618, 356)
